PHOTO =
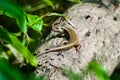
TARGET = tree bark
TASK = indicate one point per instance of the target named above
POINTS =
(98, 30)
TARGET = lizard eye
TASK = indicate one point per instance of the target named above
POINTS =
(58, 29)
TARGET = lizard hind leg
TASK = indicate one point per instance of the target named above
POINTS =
(77, 47)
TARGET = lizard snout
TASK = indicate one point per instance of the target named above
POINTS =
(58, 29)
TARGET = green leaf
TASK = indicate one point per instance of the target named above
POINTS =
(99, 71)
(50, 3)
(39, 78)
(35, 22)
(71, 74)
(11, 39)
(3, 54)
(17, 55)
(14, 11)
(6, 68)
(1, 12)
(74, 1)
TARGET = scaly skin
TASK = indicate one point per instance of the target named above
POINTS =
(73, 41)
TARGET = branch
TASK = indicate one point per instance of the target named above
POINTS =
(98, 29)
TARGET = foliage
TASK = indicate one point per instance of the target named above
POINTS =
(15, 44)
(16, 75)
(21, 27)
(11, 39)
(71, 74)
(98, 70)
(12, 10)
(93, 66)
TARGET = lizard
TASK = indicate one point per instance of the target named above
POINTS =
(72, 42)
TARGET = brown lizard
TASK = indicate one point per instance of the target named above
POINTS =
(73, 40)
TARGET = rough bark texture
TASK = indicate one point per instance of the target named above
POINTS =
(98, 29)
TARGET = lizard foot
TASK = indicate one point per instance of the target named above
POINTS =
(77, 47)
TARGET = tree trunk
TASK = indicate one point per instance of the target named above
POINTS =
(98, 30)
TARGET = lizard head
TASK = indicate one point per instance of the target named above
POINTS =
(57, 29)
